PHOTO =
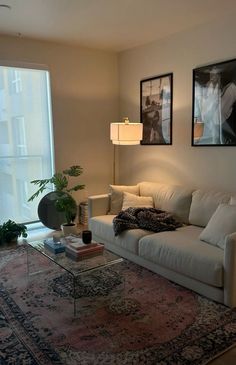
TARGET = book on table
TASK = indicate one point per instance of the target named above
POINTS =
(80, 255)
(54, 247)
(76, 249)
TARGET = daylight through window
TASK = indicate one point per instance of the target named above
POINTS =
(26, 142)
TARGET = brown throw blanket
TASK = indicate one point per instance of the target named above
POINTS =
(151, 219)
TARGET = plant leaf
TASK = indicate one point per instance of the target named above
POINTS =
(75, 170)
(60, 181)
(76, 188)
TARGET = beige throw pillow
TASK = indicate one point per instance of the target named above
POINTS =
(221, 224)
(117, 196)
(134, 201)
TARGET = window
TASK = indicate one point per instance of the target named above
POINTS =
(23, 195)
(26, 141)
(1, 80)
(4, 137)
(15, 81)
(19, 135)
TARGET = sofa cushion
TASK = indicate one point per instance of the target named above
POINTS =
(102, 227)
(221, 224)
(204, 204)
(134, 201)
(117, 196)
(171, 198)
(183, 252)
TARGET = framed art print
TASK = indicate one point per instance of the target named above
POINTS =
(214, 105)
(156, 109)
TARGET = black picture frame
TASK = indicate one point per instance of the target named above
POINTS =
(156, 104)
(214, 105)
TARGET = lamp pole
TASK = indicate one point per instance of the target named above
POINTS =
(114, 164)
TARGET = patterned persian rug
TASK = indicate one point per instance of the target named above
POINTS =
(127, 315)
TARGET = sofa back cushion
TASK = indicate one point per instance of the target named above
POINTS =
(171, 198)
(204, 205)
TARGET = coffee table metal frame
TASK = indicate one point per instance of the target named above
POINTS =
(74, 268)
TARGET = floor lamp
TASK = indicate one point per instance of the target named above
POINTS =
(124, 133)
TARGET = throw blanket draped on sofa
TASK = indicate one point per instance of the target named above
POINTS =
(151, 219)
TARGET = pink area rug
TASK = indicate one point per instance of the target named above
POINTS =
(127, 315)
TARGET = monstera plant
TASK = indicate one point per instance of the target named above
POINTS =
(65, 202)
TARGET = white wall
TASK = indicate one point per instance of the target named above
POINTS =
(204, 167)
(84, 85)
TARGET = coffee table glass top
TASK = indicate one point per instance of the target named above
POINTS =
(84, 265)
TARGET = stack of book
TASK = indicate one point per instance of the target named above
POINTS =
(54, 247)
(77, 250)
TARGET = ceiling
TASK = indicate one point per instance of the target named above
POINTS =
(114, 25)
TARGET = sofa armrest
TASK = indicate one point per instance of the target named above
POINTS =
(98, 205)
(230, 270)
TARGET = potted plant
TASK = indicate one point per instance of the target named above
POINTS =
(10, 231)
(65, 202)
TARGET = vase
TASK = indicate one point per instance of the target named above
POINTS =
(69, 229)
(86, 236)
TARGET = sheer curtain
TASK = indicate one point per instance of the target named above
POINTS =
(26, 139)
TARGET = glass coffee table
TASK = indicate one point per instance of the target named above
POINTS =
(76, 269)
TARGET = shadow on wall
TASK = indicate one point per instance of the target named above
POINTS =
(81, 136)
(192, 172)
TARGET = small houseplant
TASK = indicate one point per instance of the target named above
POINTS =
(65, 202)
(10, 231)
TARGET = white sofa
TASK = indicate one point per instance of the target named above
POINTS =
(180, 255)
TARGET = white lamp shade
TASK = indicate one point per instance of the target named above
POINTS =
(126, 133)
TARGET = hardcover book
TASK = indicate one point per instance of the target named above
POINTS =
(82, 257)
(83, 247)
(93, 249)
(54, 247)
(77, 243)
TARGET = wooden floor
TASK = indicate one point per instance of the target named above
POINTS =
(228, 358)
